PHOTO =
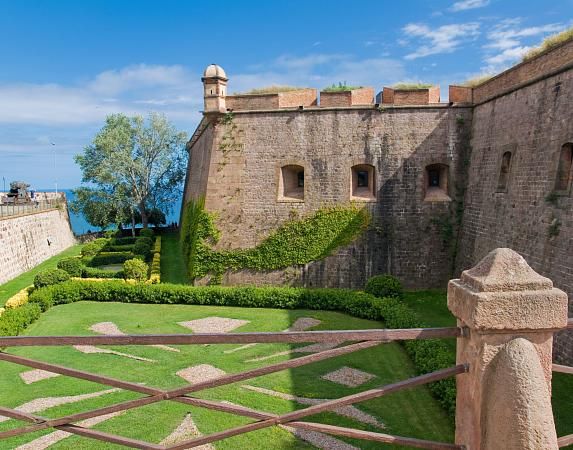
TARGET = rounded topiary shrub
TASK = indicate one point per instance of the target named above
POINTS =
(146, 232)
(135, 269)
(50, 276)
(384, 286)
(73, 266)
(143, 246)
(94, 247)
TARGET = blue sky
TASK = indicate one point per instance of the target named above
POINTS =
(65, 64)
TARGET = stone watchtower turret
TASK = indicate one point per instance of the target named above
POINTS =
(214, 89)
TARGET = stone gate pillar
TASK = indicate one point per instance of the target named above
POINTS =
(509, 313)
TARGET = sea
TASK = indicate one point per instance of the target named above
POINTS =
(81, 226)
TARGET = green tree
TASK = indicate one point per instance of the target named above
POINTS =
(140, 164)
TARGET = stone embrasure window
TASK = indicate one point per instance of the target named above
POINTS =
(564, 169)
(363, 183)
(436, 183)
(291, 183)
(504, 172)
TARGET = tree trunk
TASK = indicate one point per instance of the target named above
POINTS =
(132, 223)
(144, 219)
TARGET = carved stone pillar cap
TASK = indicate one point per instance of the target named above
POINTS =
(504, 270)
(502, 293)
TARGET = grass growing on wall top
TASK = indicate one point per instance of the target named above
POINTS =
(411, 86)
(549, 43)
(296, 242)
(340, 87)
(26, 279)
(274, 89)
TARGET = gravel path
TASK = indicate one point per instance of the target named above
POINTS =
(32, 376)
(50, 439)
(319, 440)
(91, 349)
(350, 411)
(348, 376)
(40, 404)
(111, 328)
(213, 324)
(300, 324)
(202, 372)
(185, 431)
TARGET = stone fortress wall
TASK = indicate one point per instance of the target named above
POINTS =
(527, 112)
(501, 145)
(30, 238)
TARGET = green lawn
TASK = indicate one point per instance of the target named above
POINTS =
(10, 288)
(411, 412)
(172, 264)
(431, 307)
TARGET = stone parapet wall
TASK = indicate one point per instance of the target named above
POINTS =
(525, 72)
(28, 240)
(362, 96)
(288, 99)
(401, 97)
(460, 94)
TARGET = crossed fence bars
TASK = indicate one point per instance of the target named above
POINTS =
(360, 340)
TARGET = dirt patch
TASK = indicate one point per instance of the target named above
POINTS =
(319, 440)
(200, 373)
(112, 329)
(312, 348)
(89, 349)
(40, 404)
(213, 324)
(185, 431)
(32, 376)
(348, 376)
(48, 440)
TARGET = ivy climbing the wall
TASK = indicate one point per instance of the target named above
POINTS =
(297, 242)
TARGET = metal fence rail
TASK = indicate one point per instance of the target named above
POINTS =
(360, 340)
(17, 209)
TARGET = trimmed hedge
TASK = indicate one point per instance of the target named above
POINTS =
(147, 232)
(50, 276)
(427, 355)
(73, 266)
(143, 247)
(94, 272)
(119, 248)
(105, 258)
(94, 247)
(15, 320)
(384, 286)
(123, 241)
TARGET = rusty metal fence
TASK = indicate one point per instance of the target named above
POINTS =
(17, 209)
(353, 340)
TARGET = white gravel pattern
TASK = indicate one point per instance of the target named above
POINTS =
(319, 440)
(202, 372)
(32, 376)
(48, 440)
(300, 324)
(213, 324)
(91, 349)
(40, 404)
(110, 328)
(349, 411)
(312, 348)
(348, 376)
(185, 431)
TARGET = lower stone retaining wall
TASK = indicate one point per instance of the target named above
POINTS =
(29, 239)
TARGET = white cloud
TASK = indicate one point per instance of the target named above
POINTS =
(468, 4)
(505, 42)
(444, 39)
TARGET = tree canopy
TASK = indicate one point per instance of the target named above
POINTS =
(133, 166)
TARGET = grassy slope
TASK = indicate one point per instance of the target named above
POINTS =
(10, 288)
(409, 413)
(172, 265)
(432, 309)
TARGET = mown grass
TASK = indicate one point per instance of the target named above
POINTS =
(10, 288)
(411, 412)
(431, 307)
(172, 264)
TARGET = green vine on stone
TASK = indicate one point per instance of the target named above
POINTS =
(229, 140)
(296, 242)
